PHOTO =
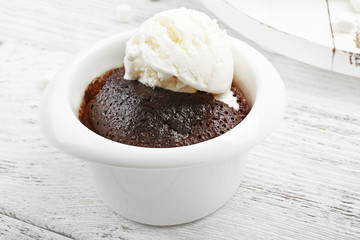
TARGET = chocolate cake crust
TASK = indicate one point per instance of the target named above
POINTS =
(129, 112)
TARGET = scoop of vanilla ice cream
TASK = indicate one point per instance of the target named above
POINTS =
(181, 50)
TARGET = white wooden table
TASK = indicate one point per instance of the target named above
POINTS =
(303, 182)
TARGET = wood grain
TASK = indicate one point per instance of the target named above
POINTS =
(12, 228)
(301, 183)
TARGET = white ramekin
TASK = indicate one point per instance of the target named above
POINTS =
(164, 186)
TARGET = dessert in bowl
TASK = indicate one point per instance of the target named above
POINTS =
(132, 113)
(154, 185)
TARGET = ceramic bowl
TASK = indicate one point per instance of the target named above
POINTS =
(161, 186)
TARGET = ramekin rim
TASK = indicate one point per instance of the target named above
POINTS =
(105, 151)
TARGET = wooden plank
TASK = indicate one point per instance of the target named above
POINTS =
(12, 228)
(301, 183)
(74, 25)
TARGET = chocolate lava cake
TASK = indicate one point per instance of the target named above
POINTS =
(129, 112)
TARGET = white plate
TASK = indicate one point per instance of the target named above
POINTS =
(301, 30)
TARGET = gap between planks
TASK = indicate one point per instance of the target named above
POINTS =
(37, 231)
